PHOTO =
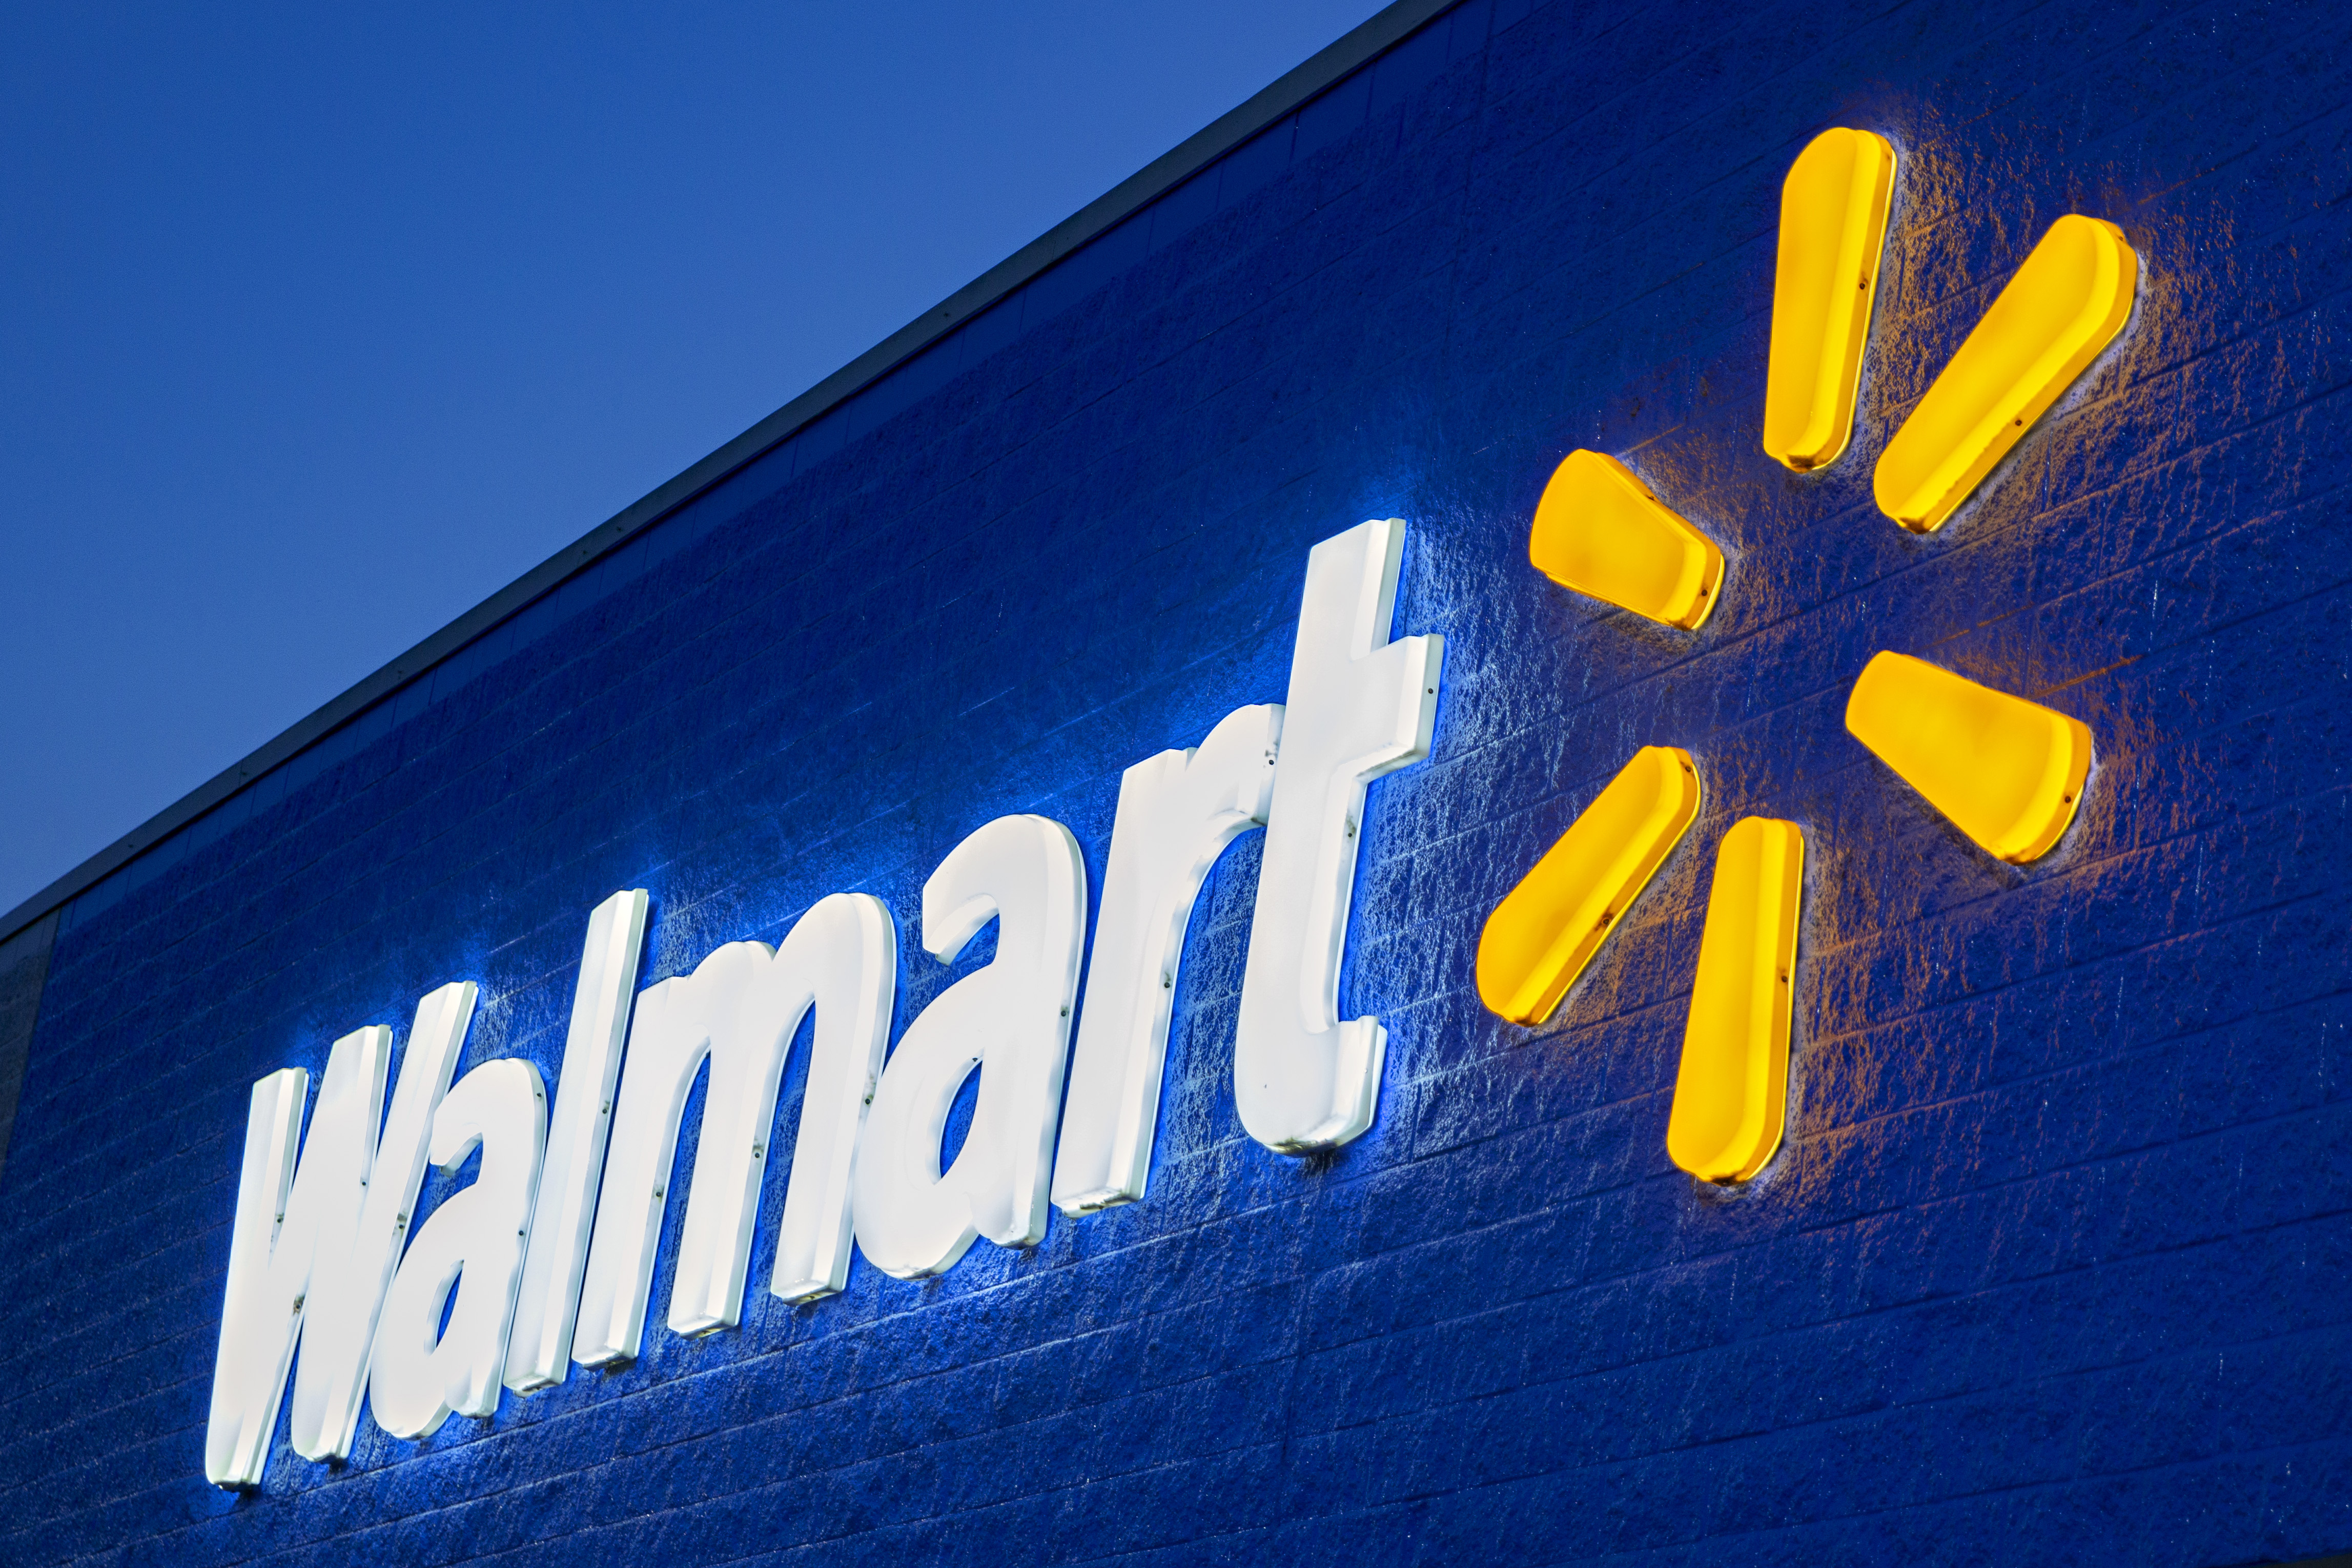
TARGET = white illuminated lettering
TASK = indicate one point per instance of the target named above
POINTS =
(671, 1036)
(275, 1241)
(474, 1239)
(316, 1240)
(843, 956)
(1011, 1019)
(1359, 705)
(549, 1296)
(739, 1008)
(1177, 812)
(347, 1293)
(551, 1251)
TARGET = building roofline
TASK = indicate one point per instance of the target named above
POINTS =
(1286, 96)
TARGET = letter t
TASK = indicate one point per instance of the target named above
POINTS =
(1359, 705)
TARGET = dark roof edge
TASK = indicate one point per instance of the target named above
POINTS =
(1162, 174)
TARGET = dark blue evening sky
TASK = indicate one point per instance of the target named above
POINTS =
(318, 324)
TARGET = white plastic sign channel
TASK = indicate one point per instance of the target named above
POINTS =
(1177, 812)
(564, 1255)
(474, 1240)
(282, 1210)
(739, 1008)
(1010, 1020)
(346, 1295)
(316, 1240)
(548, 1301)
(850, 956)
(1360, 706)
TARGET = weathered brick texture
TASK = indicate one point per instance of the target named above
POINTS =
(2057, 1264)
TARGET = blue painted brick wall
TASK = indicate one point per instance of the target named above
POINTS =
(2055, 1264)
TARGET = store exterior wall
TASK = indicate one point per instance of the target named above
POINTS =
(2055, 1264)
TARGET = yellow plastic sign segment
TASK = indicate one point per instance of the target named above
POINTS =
(2008, 772)
(1832, 230)
(1732, 1092)
(1598, 530)
(2065, 304)
(1548, 928)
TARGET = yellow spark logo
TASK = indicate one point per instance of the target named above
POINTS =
(2007, 772)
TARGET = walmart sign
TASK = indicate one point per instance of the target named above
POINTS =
(550, 1251)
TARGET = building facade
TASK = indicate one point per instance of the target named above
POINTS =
(2035, 1244)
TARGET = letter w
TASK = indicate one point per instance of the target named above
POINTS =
(316, 1240)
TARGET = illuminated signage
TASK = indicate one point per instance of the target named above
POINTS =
(547, 1259)
(550, 1250)
(2007, 772)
